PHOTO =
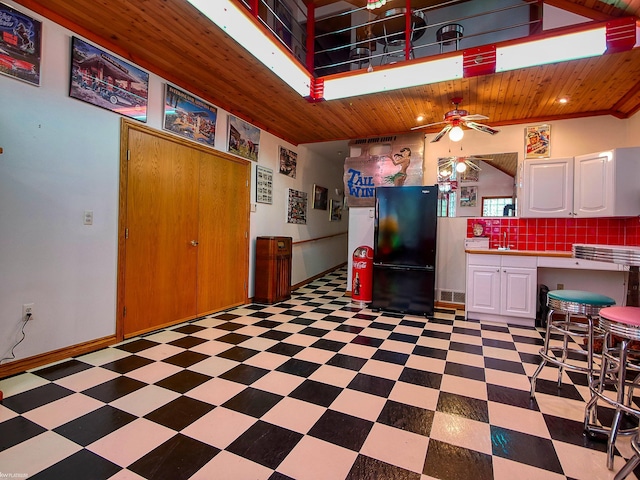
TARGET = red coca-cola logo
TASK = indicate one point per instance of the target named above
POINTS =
(360, 265)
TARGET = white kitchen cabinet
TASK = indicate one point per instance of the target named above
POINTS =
(547, 188)
(602, 184)
(501, 288)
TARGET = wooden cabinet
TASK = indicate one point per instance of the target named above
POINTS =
(501, 288)
(273, 269)
(601, 184)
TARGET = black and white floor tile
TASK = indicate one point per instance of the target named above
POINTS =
(316, 387)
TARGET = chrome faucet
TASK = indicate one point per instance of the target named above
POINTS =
(504, 245)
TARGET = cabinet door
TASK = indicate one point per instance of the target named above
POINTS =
(483, 289)
(548, 188)
(593, 185)
(517, 292)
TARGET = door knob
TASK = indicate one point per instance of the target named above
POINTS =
(194, 243)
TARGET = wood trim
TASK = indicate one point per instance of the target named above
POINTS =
(300, 242)
(20, 366)
(448, 305)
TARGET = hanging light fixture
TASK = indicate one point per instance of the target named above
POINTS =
(371, 4)
(461, 166)
(456, 134)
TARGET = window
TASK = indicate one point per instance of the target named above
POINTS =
(498, 207)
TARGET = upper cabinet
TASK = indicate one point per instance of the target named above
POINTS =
(602, 184)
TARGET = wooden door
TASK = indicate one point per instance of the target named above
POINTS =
(183, 246)
(162, 223)
(223, 253)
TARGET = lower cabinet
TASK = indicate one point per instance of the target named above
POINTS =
(501, 288)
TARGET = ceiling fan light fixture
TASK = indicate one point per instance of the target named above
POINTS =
(456, 134)
(371, 4)
(461, 166)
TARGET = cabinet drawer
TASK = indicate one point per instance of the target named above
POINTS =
(481, 259)
(576, 263)
(519, 261)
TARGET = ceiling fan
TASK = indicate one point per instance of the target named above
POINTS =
(447, 165)
(455, 118)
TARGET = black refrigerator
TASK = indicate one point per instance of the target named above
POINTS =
(404, 252)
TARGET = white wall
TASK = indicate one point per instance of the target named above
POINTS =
(61, 157)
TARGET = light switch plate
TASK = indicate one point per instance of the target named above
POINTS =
(88, 217)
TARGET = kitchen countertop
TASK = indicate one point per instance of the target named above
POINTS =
(524, 253)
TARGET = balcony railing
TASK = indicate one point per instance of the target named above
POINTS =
(360, 38)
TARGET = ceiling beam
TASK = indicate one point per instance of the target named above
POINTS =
(580, 10)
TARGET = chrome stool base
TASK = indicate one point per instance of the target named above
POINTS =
(571, 303)
(619, 325)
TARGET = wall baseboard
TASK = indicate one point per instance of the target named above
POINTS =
(315, 277)
(452, 306)
(22, 365)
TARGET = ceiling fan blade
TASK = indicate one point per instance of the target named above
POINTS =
(427, 125)
(481, 128)
(473, 117)
(484, 159)
(442, 133)
(473, 165)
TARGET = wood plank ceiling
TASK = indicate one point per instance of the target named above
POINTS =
(171, 38)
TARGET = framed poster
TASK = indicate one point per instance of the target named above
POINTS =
(320, 195)
(470, 174)
(189, 116)
(264, 184)
(99, 78)
(288, 162)
(537, 141)
(244, 139)
(468, 196)
(335, 212)
(20, 45)
(297, 207)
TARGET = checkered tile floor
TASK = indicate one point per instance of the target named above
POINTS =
(313, 388)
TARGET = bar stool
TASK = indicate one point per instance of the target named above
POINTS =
(621, 326)
(451, 33)
(571, 302)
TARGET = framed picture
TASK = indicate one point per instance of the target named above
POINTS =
(189, 116)
(288, 162)
(320, 195)
(537, 141)
(470, 174)
(468, 196)
(264, 184)
(20, 45)
(335, 212)
(297, 207)
(99, 78)
(244, 139)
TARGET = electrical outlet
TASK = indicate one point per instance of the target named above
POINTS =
(27, 310)
(560, 286)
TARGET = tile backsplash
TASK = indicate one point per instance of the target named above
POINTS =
(557, 234)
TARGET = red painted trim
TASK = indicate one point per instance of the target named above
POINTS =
(407, 30)
(311, 35)
(621, 34)
(479, 61)
(254, 4)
